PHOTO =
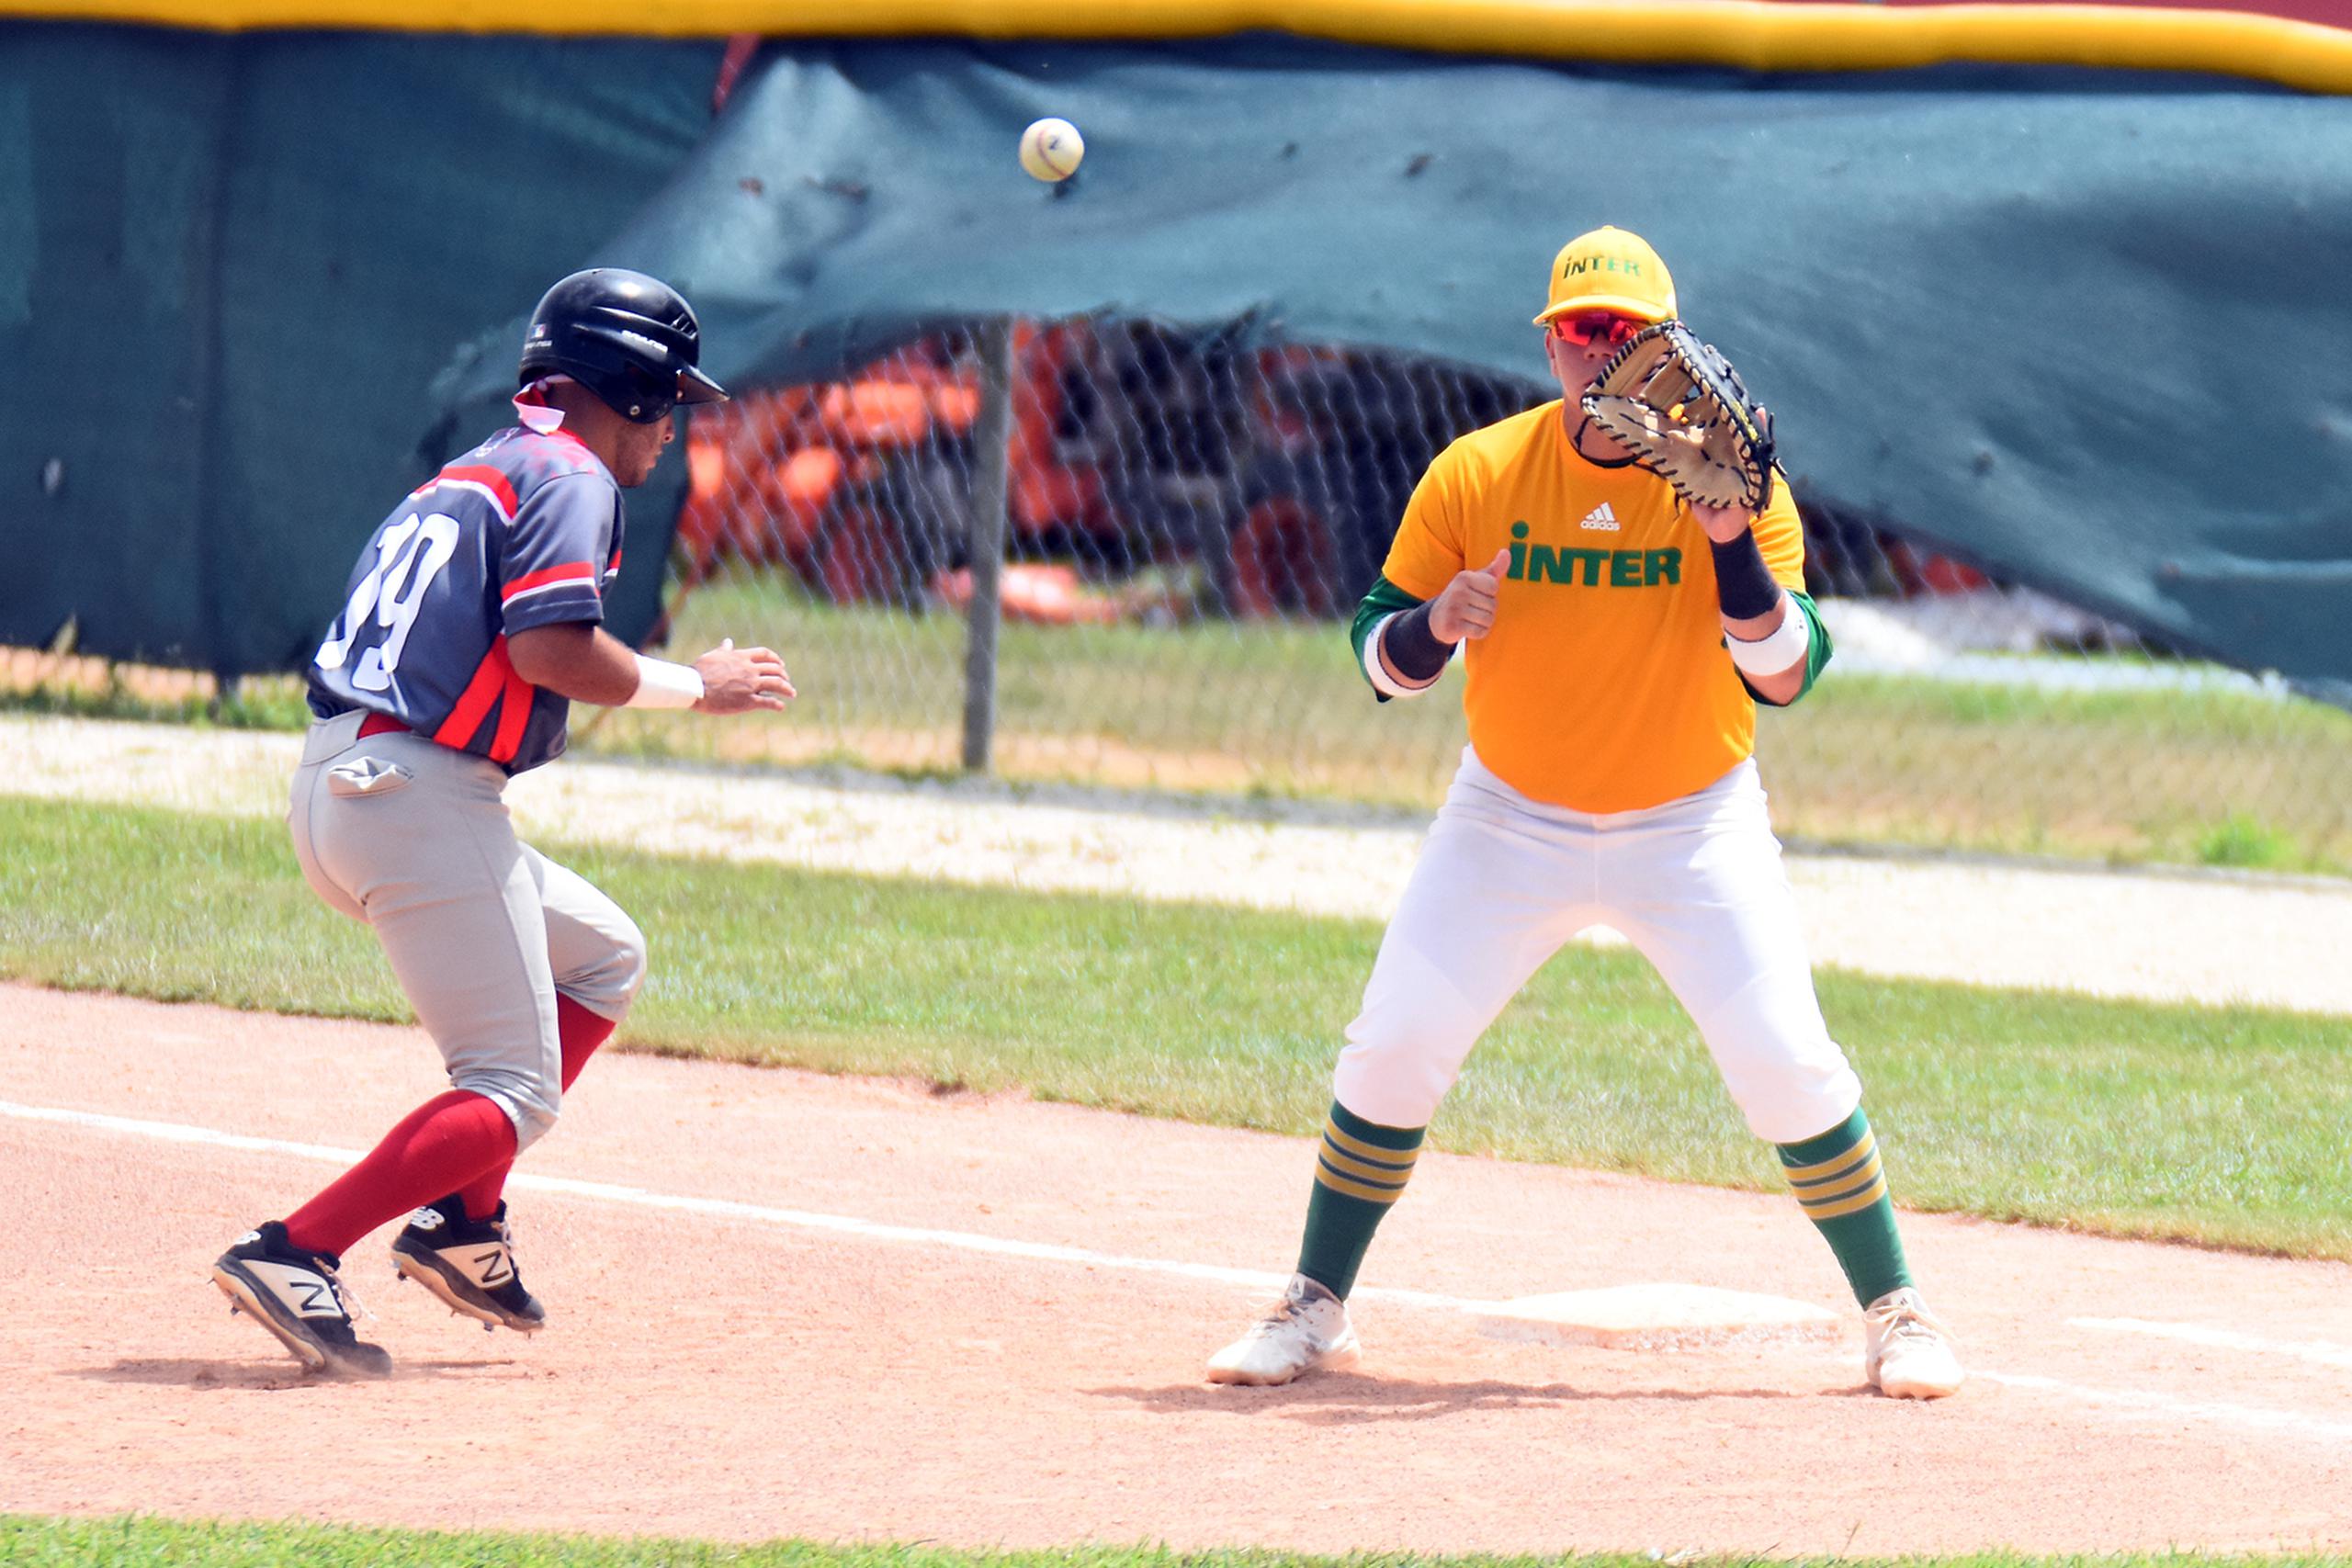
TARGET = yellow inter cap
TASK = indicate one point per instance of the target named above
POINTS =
(1610, 269)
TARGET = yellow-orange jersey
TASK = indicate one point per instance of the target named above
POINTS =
(1605, 685)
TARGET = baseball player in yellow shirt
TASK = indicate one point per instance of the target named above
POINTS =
(1618, 640)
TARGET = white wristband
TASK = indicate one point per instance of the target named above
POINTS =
(1787, 647)
(661, 685)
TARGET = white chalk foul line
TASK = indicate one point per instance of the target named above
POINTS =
(2124, 1404)
(2320, 1352)
(725, 1207)
(2151, 1406)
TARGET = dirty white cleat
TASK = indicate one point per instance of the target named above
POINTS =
(299, 1298)
(1907, 1353)
(1307, 1328)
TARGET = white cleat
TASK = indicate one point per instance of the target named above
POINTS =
(1907, 1354)
(1307, 1328)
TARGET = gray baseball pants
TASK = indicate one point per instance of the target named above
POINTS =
(414, 840)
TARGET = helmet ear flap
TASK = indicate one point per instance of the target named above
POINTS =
(631, 339)
(646, 398)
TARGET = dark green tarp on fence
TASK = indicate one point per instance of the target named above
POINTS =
(228, 269)
(2038, 316)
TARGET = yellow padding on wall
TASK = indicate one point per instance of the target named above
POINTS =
(1757, 35)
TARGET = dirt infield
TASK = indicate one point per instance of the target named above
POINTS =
(784, 1304)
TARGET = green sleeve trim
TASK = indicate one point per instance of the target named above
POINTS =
(1816, 651)
(1384, 600)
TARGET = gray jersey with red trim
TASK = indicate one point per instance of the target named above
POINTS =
(523, 531)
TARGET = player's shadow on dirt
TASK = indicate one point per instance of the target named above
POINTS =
(189, 1371)
(1344, 1399)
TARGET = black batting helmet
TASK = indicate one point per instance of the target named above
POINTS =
(631, 339)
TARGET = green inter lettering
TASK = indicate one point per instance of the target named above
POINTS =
(1532, 562)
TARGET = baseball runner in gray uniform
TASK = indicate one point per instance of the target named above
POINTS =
(469, 627)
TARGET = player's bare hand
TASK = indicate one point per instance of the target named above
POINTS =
(1722, 524)
(1467, 607)
(742, 680)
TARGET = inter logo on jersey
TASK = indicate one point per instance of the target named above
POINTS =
(1593, 567)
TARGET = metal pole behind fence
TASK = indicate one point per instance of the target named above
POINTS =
(990, 434)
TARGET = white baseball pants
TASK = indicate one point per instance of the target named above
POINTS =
(1696, 885)
(414, 840)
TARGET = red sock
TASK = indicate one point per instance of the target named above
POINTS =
(579, 1031)
(437, 1148)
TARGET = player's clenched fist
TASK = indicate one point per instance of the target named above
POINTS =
(1466, 608)
(737, 679)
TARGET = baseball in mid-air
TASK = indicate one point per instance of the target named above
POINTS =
(1051, 149)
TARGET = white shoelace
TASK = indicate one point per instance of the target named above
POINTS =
(1904, 1320)
(1273, 1315)
(355, 1310)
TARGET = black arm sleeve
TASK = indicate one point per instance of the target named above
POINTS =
(1745, 586)
(1409, 647)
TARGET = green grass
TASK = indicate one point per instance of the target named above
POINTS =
(2115, 776)
(1279, 709)
(2218, 1125)
(265, 703)
(2243, 840)
(1275, 708)
(27, 1539)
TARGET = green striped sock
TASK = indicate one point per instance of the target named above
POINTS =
(1842, 1186)
(1360, 1171)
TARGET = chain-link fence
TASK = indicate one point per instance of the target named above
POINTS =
(1188, 520)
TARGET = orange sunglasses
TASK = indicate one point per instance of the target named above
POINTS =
(1604, 327)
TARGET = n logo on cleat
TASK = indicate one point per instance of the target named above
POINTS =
(304, 1292)
(493, 1268)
